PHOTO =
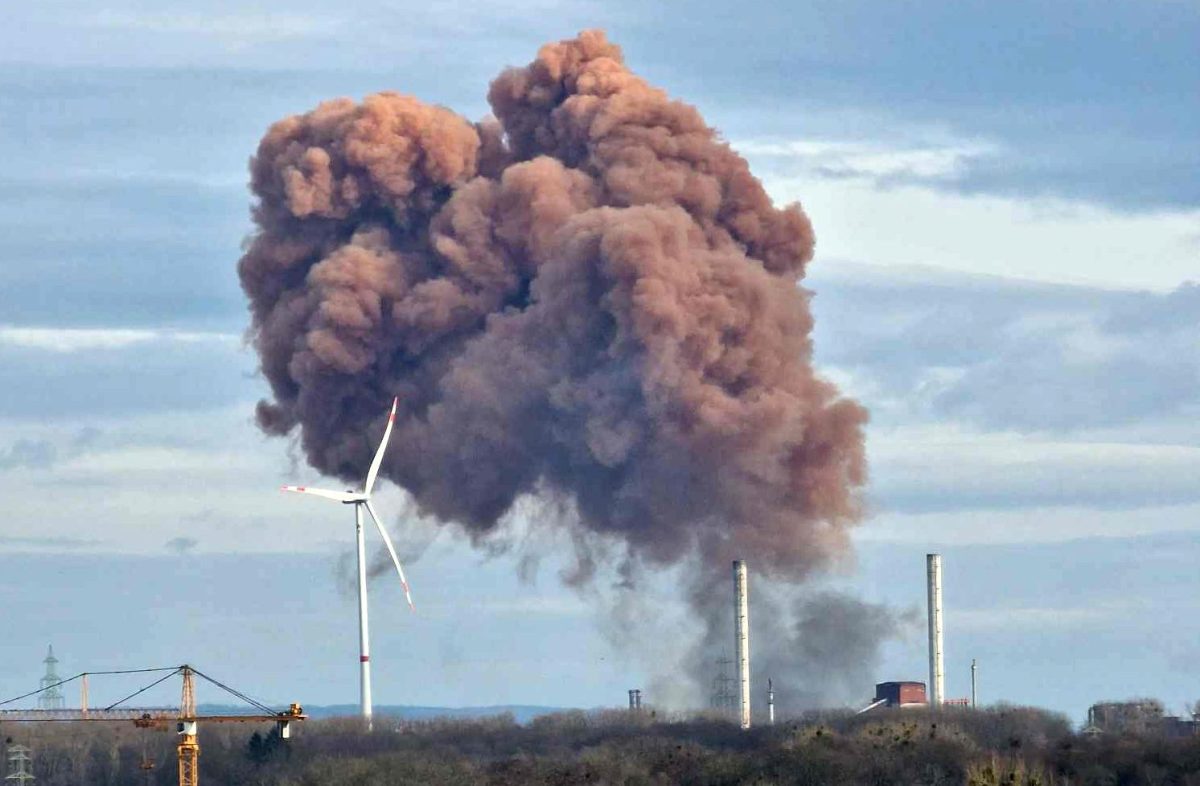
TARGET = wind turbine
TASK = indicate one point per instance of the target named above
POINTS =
(361, 500)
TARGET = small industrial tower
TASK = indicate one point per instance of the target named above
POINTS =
(741, 619)
(51, 698)
(937, 666)
(19, 765)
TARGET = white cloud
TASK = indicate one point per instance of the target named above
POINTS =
(916, 446)
(146, 478)
(66, 340)
(1057, 618)
(946, 468)
(868, 160)
(241, 28)
(1038, 238)
(1025, 523)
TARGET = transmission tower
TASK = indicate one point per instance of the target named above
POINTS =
(20, 762)
(51, 698)
(724, 687)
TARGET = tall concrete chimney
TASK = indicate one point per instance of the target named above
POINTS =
(770, 702)
(741, 616)
(937, 670)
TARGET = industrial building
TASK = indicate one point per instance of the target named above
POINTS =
(1138, 716)
(901, 694)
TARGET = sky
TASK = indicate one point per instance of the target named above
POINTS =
(1007, 206)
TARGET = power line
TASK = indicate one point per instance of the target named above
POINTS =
(235, 693)
(158, 681)
(87, 674)
(173, 671)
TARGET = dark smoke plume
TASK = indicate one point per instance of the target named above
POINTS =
(592, 297)
(587, 298)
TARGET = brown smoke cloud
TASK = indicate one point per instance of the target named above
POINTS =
(589, 297)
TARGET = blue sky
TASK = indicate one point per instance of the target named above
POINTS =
(1008, 219)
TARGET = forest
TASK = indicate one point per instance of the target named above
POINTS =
(986, 747)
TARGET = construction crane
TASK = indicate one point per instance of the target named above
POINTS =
(185, 717)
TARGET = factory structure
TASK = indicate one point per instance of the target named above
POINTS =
(900, 694)
(733, 693)
(907, 693)
(1139, 716)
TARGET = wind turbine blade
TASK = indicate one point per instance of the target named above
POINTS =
(391, 550)
(378, 460)
(340, 496)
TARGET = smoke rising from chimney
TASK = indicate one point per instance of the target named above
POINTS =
(588, 298)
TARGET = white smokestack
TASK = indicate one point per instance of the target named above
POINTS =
(937, 671)
(770, 703)
(741, 615)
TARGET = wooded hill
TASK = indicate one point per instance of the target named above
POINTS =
(999, 745)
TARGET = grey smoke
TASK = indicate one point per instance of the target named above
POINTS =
(181, 545)
(821, 648)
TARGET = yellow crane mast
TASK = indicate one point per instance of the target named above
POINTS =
(189, 747)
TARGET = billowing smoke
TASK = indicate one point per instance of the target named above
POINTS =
(820, 647)
(589, 298)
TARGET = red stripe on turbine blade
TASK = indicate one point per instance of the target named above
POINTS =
(364, 658)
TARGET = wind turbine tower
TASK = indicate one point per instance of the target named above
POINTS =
(361, 500)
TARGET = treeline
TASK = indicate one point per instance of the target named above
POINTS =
(1002, 745)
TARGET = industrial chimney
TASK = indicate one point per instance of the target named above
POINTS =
(937, 672)
(741, 616)
(770, 702)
